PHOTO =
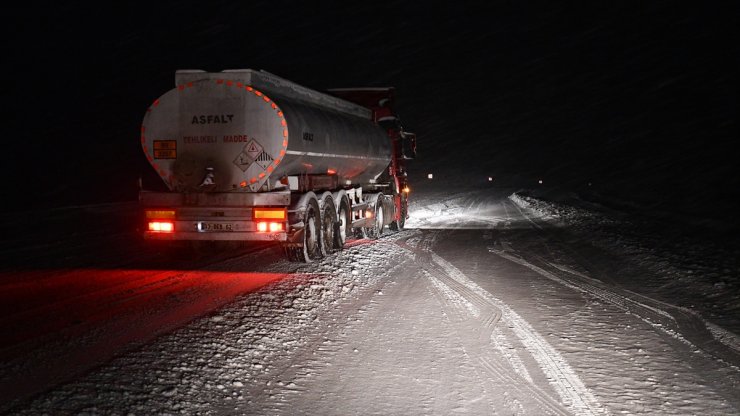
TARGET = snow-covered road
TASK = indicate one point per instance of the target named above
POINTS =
(488, 303)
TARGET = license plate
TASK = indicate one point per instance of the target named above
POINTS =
(215, 226)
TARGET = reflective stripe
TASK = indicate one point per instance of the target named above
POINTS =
(314, 154)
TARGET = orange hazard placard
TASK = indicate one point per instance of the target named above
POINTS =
(165, 149)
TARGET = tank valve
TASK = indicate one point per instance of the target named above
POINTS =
(210, 179)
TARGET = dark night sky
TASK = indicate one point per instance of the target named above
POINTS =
(638, 98)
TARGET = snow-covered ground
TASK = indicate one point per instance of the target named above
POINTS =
(490, 302)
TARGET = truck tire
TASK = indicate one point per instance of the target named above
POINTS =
(376, 230)
(397, 225)
(344, 224)
(310, 248)
(328, 224)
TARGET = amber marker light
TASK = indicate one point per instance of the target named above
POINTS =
(160, 214)
(270, 213)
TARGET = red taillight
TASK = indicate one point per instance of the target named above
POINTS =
(273, 227)
(161, 226)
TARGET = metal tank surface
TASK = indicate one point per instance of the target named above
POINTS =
(244, 130)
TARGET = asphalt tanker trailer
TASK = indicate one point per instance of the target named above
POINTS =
(249, 156)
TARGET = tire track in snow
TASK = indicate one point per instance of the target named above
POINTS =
(525, 389)
(462, 303)
(501, 343)
(571, 390)
(677, 326)
(452, 299)
(680, 323)
(623, 302)
(566, 382)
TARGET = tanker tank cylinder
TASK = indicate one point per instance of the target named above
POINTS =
(253, 129)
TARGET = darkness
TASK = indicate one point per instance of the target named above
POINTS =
(638, 99)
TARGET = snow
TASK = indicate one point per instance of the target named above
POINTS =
(490, 302)
(704, 277)
(569, 387)
(494, 301)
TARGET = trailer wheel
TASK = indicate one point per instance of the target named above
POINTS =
(343, 225)
(310, 250)
(376, 230)
(398, 225)
(328, 219)
(380, 218)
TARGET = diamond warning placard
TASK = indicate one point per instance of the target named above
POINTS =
(264, 160)
(252, 149)
(243, 161)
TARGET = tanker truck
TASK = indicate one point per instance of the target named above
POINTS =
(248, 156)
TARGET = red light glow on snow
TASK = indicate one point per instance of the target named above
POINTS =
(111, 309)
(99, 294)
